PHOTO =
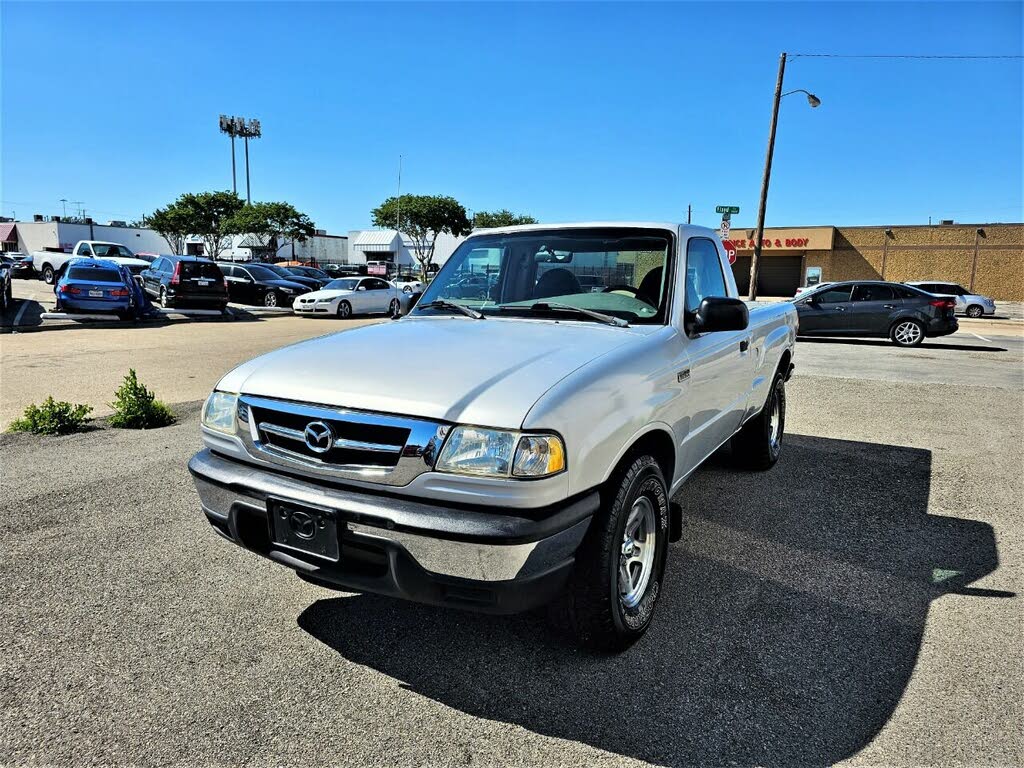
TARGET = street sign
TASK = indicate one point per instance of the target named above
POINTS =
(727, 209)
(723, 231)
(730, 250)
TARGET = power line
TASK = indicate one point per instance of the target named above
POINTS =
(895, 56)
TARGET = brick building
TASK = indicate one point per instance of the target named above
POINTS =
(986, 258)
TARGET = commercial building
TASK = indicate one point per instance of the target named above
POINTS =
(387, 245)
(986, 258)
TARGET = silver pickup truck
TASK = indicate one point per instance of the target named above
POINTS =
(526, 449)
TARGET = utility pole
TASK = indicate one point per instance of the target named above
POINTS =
(755, 261)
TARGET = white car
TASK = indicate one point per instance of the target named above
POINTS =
(408, 286)
(967, 303)
(349, 296)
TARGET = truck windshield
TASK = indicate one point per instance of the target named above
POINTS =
(617, 271)
(107, 251)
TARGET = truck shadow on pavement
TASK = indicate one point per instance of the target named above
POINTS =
(791, 621)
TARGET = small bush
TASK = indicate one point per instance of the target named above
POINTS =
(53, 417)
(135, 407)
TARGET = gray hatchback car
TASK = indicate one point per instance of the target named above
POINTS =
(904, 314)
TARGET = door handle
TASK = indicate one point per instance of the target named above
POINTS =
(888, 306)
(744, 345)
(840, 309)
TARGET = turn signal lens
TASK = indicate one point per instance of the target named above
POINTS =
(538, 456)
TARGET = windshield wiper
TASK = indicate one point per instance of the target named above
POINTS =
(443, 304)
(545, 306)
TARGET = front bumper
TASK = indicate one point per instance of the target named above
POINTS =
(467, 558)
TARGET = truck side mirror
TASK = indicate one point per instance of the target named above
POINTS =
(718, 313)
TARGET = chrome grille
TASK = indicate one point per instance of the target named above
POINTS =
(337, 442)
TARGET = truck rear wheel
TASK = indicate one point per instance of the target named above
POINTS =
(758, 444)
(48, 275)
(612, 592)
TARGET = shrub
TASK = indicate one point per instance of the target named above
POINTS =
(53, 417)
(135, 407)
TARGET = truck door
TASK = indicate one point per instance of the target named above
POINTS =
(720, 364)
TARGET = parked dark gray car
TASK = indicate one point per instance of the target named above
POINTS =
(904, 314)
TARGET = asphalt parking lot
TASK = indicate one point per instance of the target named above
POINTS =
(857, 603)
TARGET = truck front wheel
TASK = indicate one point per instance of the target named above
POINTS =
(758, 444)
(609, 601)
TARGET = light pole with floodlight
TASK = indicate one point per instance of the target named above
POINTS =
(814, 101)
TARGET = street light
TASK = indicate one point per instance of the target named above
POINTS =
(247, 129)
(813, 101)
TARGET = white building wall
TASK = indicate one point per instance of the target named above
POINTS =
(40, 235)
(444, 246)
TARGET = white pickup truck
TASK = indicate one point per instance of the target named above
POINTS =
(48, 264)
(528, 448)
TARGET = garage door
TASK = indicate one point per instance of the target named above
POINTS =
(778, 276)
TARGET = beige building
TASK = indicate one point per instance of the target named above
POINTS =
(986, 258)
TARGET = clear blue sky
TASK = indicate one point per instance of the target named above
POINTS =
(563, 111)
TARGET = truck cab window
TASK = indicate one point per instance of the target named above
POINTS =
(704, 276)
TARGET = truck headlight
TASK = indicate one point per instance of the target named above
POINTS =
(498, 453)
(219, 412)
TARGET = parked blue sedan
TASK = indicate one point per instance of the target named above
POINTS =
(95, 285)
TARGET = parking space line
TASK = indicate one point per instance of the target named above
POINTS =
(21, 310)
(979, 337)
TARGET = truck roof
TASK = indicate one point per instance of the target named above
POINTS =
(671, 226)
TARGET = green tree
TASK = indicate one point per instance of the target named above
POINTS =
(502, 218)
(171, 224)
(273, 224)
(423, 218)
(208, 215)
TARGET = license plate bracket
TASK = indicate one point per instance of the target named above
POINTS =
(304, 528)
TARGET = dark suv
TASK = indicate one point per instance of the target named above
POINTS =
(175, 281)
(902, 313)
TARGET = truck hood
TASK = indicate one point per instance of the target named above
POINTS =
(485, 372)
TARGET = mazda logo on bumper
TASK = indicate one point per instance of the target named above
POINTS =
(302, 524)
(319, 437)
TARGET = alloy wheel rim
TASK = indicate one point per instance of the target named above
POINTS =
(270, 300)
(636, 555)
(775, 424)
(907, 333)
(974, 312)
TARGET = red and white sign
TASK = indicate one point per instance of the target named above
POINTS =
(730, 250)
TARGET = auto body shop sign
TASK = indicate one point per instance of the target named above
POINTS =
(805, 239)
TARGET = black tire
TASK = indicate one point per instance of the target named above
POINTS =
(344, 310)
(48, 274)
(395, 308)
(163, 298)
(906, 333)
(592, 608)
(758, 444)
(270, 299)
(975, 311)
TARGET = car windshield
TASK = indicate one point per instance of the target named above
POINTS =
(106, 251)
(263, 273)
(94, 275)
(344, 284)
(616, 271)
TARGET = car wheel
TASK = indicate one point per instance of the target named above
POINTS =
(975, 311)
(758, 444)
(270, 299)
(163, 298)
(344, 310)
(907, 333)
(395, 309)
(615, 584)
(48, 276)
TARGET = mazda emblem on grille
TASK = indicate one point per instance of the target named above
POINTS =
(319, 437)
